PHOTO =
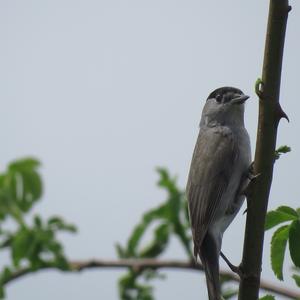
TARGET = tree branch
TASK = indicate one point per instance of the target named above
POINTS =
(138, 265)
(270, 113)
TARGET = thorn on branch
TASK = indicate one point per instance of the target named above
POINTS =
(281, 114)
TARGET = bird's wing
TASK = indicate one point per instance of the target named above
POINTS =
(211, 168)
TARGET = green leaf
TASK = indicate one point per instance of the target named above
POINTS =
(120, 251)
(297, 279)
(158, 245)
(165, 181)
(21, 244)
(181, 233)
(62, 263)
(2, 294)
(25, 187)
(37, 221)
(267, 297)
(6, 274)
(172, 218)
(56, 223)
(229, 293)
(153, 274)
(294, 242)
(32, 185)
(25, 182)
(139, 230)
(278, 246)
(280, 215)
(24, 164)
(288, 210)
(55, 247)
(282, 150)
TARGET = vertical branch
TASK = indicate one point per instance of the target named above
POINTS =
(270, 113)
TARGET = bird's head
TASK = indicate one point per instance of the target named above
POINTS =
(224, 106)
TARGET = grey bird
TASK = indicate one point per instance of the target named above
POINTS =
(217, 178)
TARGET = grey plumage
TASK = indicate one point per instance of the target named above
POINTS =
(218, 174)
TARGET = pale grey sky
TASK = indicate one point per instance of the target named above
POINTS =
(102, 92)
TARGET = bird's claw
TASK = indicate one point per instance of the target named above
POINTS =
(233, 268)
(252, 178)
(250, 174)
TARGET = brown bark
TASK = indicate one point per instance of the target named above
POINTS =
(78, 266)
(270, 113)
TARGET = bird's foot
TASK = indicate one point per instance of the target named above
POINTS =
(251, 176)
(250, 173)
(233, 268)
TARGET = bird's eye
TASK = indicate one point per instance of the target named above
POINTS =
(219, 98)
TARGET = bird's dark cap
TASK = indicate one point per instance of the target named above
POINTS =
(224, 90)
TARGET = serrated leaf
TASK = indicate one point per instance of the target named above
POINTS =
(297, 279)
(267, 297)
(278, 246)
(294, 242)
(276, 217)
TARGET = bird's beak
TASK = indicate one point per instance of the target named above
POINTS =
(240, 100)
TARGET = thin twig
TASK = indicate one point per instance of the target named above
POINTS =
(136, 264)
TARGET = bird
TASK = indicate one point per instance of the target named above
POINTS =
(218, 175)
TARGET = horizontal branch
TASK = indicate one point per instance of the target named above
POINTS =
(141, 264)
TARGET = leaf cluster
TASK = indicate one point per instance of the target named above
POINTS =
(285, 234)
(31, 241)
(168, 219)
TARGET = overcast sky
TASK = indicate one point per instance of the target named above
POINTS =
(102, 92)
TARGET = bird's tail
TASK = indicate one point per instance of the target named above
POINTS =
(209, 254)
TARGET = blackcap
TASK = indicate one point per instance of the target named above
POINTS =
(217, 177)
